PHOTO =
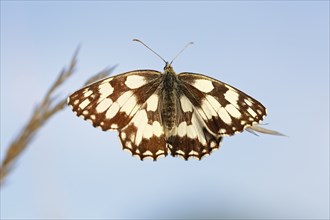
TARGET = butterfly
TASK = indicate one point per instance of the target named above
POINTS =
(160, 113)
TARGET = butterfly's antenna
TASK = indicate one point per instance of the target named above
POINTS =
(187, 45)
(150, 49)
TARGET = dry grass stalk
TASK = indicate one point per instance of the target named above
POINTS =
(47, 108)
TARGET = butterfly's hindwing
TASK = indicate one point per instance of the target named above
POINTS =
(191, 137)
(144, 135)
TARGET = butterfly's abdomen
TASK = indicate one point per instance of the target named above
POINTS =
(168, 111)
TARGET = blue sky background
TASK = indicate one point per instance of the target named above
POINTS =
(278, 52)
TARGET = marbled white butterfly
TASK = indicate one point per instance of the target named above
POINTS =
(156, 113)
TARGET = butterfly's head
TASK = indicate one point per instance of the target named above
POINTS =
(168, 69)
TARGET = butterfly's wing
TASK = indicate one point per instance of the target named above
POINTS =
(224, 109)
(144, 135)
(110, 103)
(191, 137)
(128, 103)
(207, 110)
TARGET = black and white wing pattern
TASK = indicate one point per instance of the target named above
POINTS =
(156, 113)
(208, 110)
(128, 103)
(224, 109)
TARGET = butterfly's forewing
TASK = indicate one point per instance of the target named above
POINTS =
(111, 103)
(128, 103)
(224, 109)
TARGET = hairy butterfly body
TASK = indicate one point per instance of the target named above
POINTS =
(157, 114)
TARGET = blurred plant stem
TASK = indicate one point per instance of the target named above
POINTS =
(47, 108)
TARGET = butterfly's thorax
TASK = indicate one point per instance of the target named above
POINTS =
(168, 107)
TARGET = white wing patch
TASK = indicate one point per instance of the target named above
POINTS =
(213, 102)
(130, 105)
(152, 102)
(197, 125)
(182, 129)
(251, 112)
(140, 120)
(84, 104)
(104, 105)
(157, 129)
(203, 85)
(225, 117)
(231, 96)
(185, 104)
(135, 81)
(105, 89)
(112, 111)
(124, 98)
(233, 111)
